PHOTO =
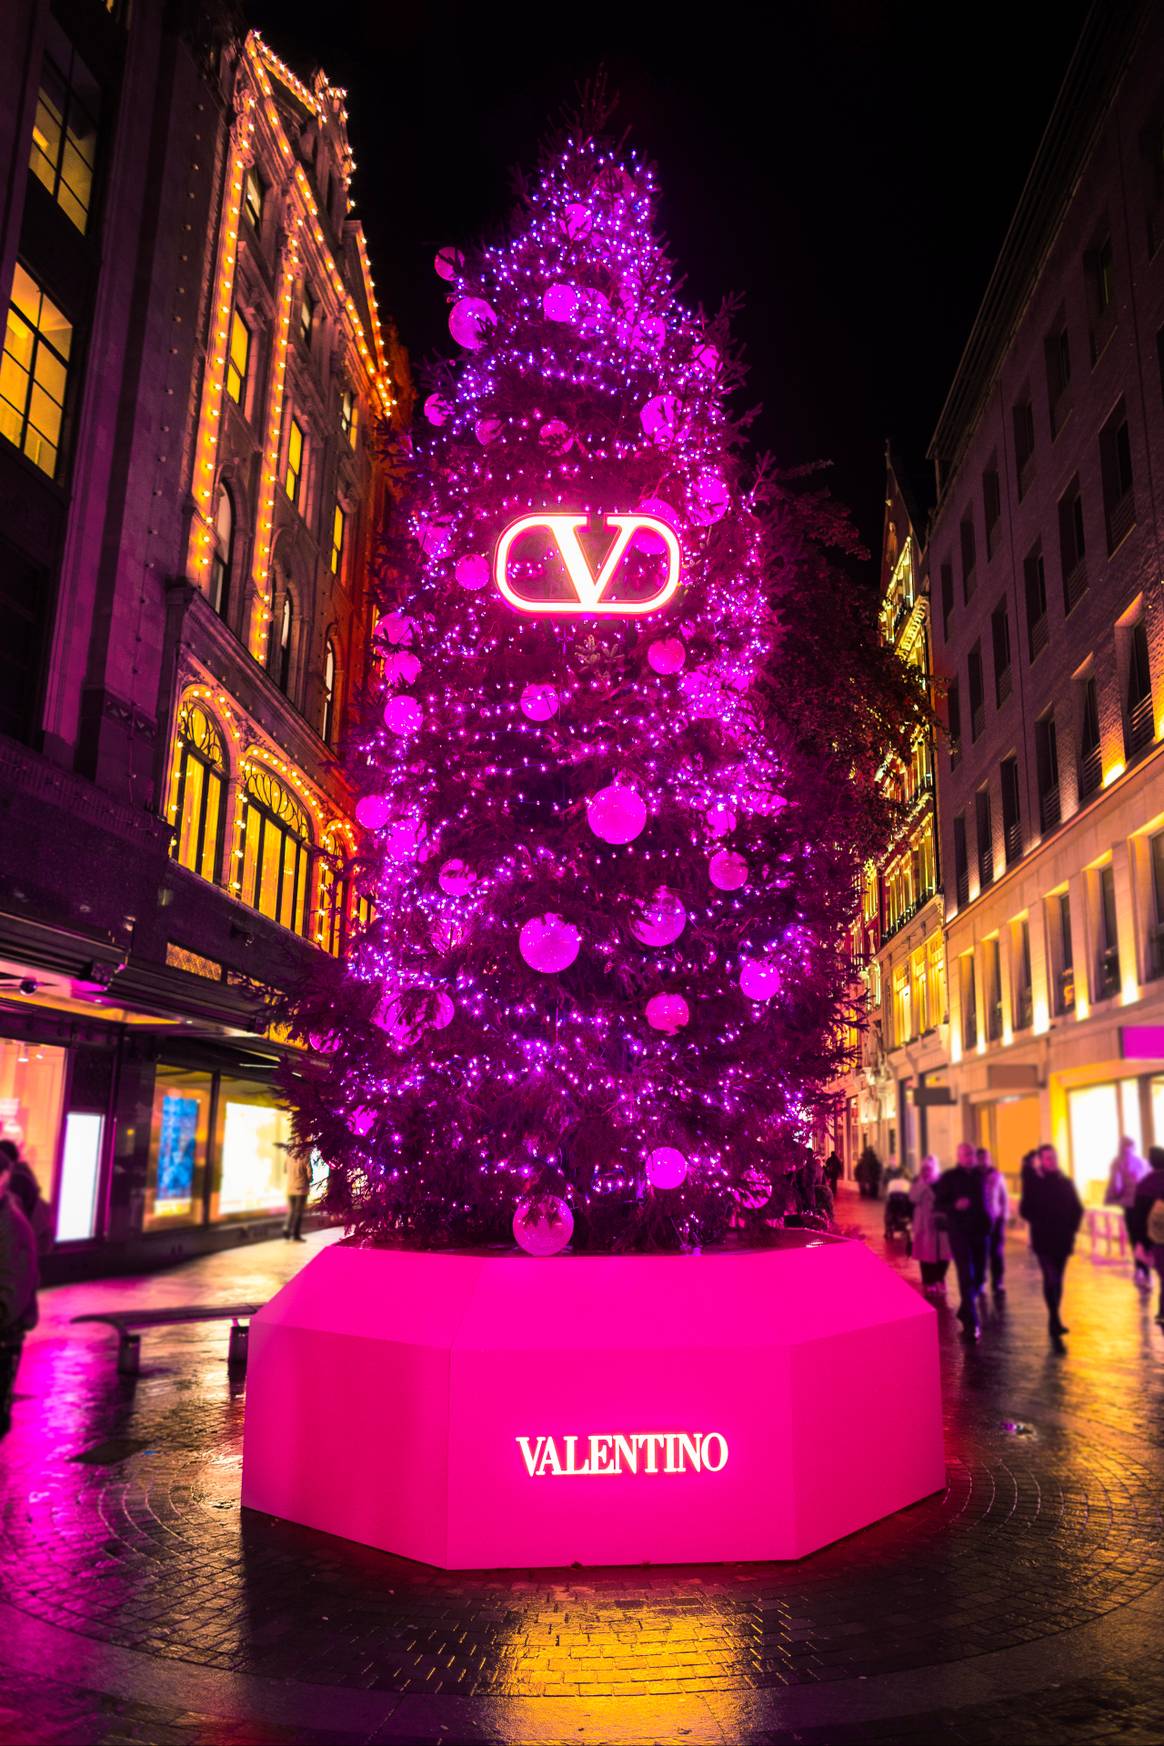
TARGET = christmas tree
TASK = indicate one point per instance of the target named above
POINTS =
(620, 778)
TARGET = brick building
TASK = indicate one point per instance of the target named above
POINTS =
(1044, 557)
(192, 382)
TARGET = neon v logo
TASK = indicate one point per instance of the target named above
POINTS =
(589, 589)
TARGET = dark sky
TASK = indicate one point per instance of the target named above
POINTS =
(848, 166)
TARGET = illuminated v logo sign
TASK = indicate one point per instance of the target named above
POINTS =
(589, 589)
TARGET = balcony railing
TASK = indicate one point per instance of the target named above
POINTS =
(1049, 810)
(1090, 772)
(986, 866)
(1075, 586)
(1138, 728)
(962, 887)
(1013, 840)
(1037, 633)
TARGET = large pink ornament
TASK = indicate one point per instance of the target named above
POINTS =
(646, 539)
(666, 1167)
(549, 944)
(403, 838)
(667, 1013)
(470, 320)
(661, 919)
(472, 571)
(437, 409)
(727, 870)
(709, 501)
(759, 979)
(543, 1224)
(577, 220)
(755, 1190)
(401, 668)
(539, 702)
(396, 628)
(616, 814)
(448, 262)
(373, 811)
(487, 430)
(660, 419)
(561, 303)
(441, 1011)
(721, 820)
(456, 878)
(667, 655)
(402, 715)
(556, 436)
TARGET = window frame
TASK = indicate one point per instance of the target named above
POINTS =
(282, 819)
(68, 139)
(38, 343)
(213, 781)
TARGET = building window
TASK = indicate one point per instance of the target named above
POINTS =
(293, 472)
(34, 373)
(1057, 352)
(984, 826)
(280, 646)
(306, 313)
(966, 545)
(1062, 954)
(1021, 953)
(975, 690)
(222, 556)
(275, 858)
(947, 577)
(1100, 273)
(1138, 724)
(961, 863)
(238, 359)
(1090, 766)
(1156, 931)
(1023, 421)
(199, 792)
(1109, 948)
(349, 415)
(1035, 580)
(1047, 771)
(1000, 637)
(991, 507)
(1012, 824)
(334, 894)
(902, 1028)
(253, 197)
(936, 975)
(992, 989)
(327, 712)
(64, 131)
(969, 1003)
(338, 533)
(1072, 546)
(1115, 465)
(919, 993)
(954, 710)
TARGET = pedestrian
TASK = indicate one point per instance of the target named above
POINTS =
(25, 1187)
(869, 1173)
(960, 1196)
(998, 1211)
(298, 1182)
(19, 1278)
(1054, 1211)
(929, 1243)
(1127, 1172)
(1148, 1217)
(833, 1169)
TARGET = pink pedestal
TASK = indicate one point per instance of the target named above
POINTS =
(725, 1406)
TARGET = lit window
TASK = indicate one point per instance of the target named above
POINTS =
(338, 530)
(294, 473)
(280, 647)
(34, 373)
(936, 977)
(64, 131)
(327, 714)
(253, 197)
(223, 555)
(275, 862)
(332, 926)
(306, 313)
(238, 359)
(349, 414)
(199, 791)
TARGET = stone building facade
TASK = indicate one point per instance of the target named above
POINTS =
(193, 388)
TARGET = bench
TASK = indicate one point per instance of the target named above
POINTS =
(128, 1322)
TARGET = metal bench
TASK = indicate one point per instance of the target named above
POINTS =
(127, 1322)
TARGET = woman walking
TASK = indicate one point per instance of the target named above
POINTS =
(929, 1244)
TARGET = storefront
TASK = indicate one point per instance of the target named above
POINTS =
(217, 1150)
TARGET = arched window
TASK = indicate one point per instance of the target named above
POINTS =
(223, 558)
(327, 712)
(199, 791)
(334, 891)
(275, 853)
(279, 653)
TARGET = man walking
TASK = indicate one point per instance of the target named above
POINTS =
(1127, 1172)
(960, 1198)
(1052, 1208)
(19, 1278)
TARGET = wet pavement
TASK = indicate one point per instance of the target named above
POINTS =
(140, 1606)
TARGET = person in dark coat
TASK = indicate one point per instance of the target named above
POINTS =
(1149, 1191)
(833, 1169)
(1052, 1208)
(960, 1199)
(868, 1173)
(19, 1278)
(26, 1189)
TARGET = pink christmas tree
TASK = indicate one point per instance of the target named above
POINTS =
(619, 782)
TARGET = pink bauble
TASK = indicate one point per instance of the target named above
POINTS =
(709, 501)
(472, 571)
(401, 668)
(396, 628)
(577, 220)
(441, 1010)
(721, 820)
(555, 435)
(437, 409)
(487, 430)
(435, 537)
(470, 320)
(448, 262)
(666, 1167)
(561, 303)
(660, 419)
(403, 838)
(616, 814)
(644, 539)
(543, 1224)
(539, 702)
(661, 919)
(727, 870)
(362, 1120)
(707, 358)
(373, 811)
(666, 655)
(456, 878)
(324, 1042)
(667, 1013)
(391, 1017)
(649, 334)
(549, 944)
(759, 979)
(755, 1190)
(402, 715)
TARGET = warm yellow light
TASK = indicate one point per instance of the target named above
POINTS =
(1113, 774)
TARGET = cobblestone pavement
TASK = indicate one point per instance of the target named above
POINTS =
(140, 1607)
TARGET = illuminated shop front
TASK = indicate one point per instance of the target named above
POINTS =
(217, 1150)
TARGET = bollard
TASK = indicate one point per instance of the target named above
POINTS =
(128, 1354)
(236, 1351)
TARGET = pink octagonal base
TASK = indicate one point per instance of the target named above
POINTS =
(488, 1411)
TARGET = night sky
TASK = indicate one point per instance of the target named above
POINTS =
(848, 168)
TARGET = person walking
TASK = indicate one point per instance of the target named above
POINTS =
(833, 1169)
(19, 1278)
(960, 1197)
(1054, 1212)
(997, 1211)
(1148, 1217)
(1127, 1171)
(298, 1182)
(869, 1173)
(929, 1244)
(25, 1187)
